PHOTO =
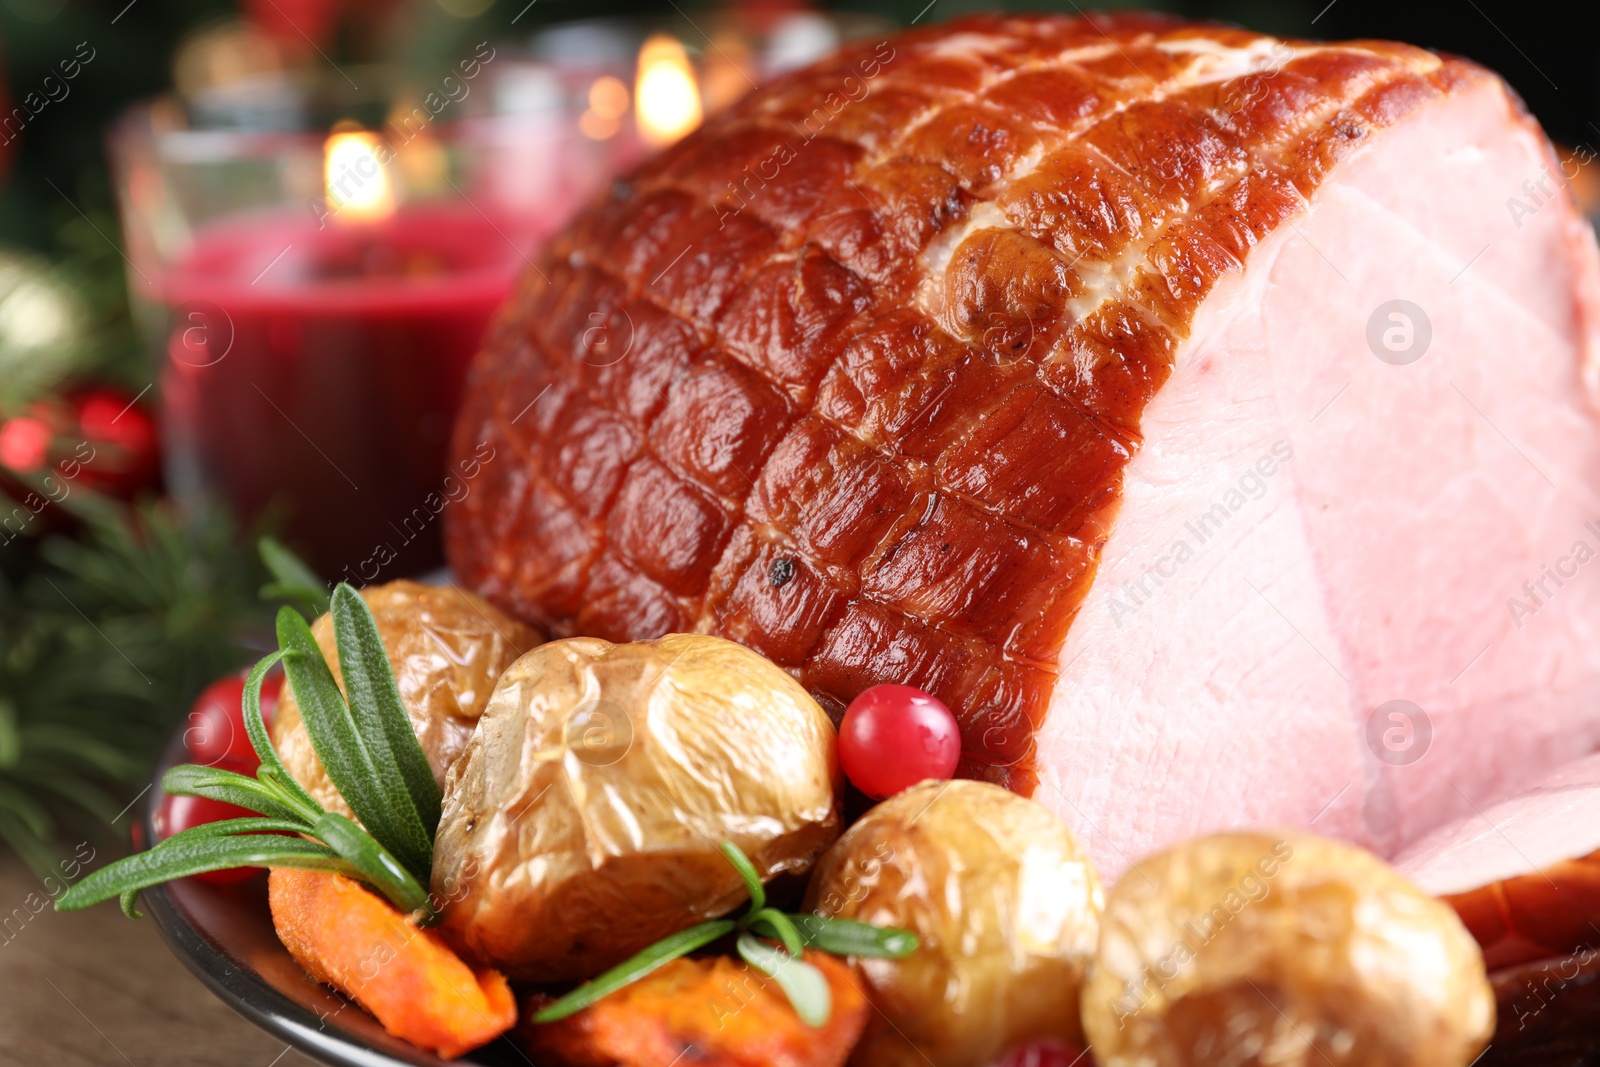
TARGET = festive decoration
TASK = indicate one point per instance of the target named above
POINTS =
(104, 642)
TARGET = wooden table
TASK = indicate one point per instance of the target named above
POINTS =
(95, 988)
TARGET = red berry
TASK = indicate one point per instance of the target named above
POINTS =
(216, 722)
(1043, 1052)
(177, 814)
(894, 736)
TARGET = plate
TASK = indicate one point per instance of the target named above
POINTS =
(1549, 1010)
(224, 935)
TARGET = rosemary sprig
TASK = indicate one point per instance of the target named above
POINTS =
(292, 580)
(804, 985)
(369, 750)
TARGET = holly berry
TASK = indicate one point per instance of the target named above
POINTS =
(178, 813)
(1042, 1052)
(894, 736)
(216, 722)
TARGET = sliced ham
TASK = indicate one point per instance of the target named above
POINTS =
(1524, 873)
(1049, 365)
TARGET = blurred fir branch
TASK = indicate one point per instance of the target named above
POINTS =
(104, 643)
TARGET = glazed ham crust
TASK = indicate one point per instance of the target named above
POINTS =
(851, 375)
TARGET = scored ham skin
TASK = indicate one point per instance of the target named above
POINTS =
(857, 374)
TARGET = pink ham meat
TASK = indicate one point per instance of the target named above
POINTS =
(1429, 540)
(1524, 873)
(1171, 400)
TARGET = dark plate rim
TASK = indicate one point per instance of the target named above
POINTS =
(247, 992)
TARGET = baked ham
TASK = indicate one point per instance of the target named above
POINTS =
(1170, 400)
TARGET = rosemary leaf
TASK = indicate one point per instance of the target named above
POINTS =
(292, 579)
(229, 827)
(631, 970)
(177, 857)
(847, 937)
(278, 779)
(775, 924)
(381, 870)
(214, 783)
(374, 701)
(382, 803)
(747, 871)
(802, 983)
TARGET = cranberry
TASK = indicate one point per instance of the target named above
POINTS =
(1043, 1052)
(894, 736)
(177, 814)
(216, 722)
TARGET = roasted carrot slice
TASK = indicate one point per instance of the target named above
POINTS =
(354, 940)
(729, 1015)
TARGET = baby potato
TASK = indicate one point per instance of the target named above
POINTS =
(447, 648)
(585, 820)
(1007, 908)
(1283, 949)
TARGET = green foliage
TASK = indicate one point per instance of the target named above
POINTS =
(340, 844)
(104, 643)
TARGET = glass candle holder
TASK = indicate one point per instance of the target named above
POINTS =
(313, 289)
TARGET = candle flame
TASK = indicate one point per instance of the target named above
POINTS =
(666, 97)
(356, 176)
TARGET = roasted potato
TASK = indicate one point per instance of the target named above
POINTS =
(1007, 907)
(585, 820)
(1255, 948)
(447, 648)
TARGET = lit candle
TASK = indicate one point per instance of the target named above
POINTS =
(666, 96)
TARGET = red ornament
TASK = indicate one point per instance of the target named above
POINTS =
(93, 439)
(24, 444)
(177, 814)
(894, 736)
(216, 731)
(123, 453)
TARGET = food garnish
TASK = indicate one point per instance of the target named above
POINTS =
(726, 1011)
(1222, 947)
(178, 812)
(804, 985)
(447, 649)
(293, 580)
(894, 736)
(370, 752)
(352, 939)
(1007, 907)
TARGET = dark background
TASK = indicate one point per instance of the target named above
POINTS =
(1552, 60)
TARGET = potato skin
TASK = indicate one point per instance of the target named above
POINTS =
(1282, 948)
(1007, 907)
(447, 648)
(585, 819)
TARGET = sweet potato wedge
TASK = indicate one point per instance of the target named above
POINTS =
(354, 940)
(729, 1014)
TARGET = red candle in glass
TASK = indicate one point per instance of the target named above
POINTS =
(318, 364)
